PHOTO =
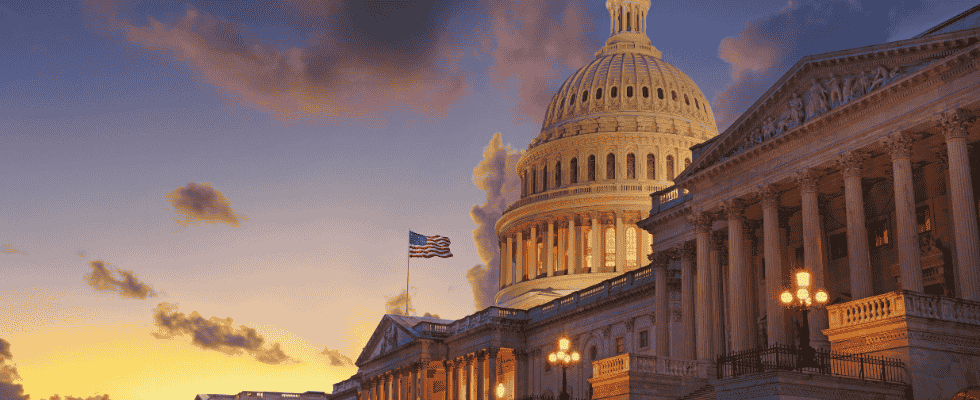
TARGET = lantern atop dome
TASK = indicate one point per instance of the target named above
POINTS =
(627, 28)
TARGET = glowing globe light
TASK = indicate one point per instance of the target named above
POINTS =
(568, 359)
(802, 294)
(802, 279)
(560, 355)
(552, 358)
(786, 297)
(564, 344)
(820, 296)
(575, 356)
(501, 390)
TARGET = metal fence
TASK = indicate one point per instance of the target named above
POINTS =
(787, 358)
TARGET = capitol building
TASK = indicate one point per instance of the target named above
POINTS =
(824, 246)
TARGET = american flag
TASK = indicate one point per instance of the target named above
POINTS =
(428, 246)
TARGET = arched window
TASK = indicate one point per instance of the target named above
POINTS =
(557, 175)
(573, 171)
(598, 93)
(686, 101)
(540, 264)
(588, 249)
(592, 168)
(630, 166)
(670, 168)
(593, 353)
(610, 249)
(696, 105)
(610, 166)
(544, 179)
(572, 103)
(628, 22)
(613, 92)
(673, 95)
(585, 96)
(630, 248)
(561, 108)
(651, 167)
(646, 92)
(687, 163)
(660, 93)
(629, 91)
(534, 181)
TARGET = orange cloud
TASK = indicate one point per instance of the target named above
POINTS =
(100, 278)
(199, 202)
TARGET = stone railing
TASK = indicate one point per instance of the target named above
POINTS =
(903, 303)
(586, 188)
(645, 364)
(490, 315)
(667, 198)
(432, 329)
(345, 385)
(627, 281)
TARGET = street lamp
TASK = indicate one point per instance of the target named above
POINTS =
(563, 357)
(806, 295)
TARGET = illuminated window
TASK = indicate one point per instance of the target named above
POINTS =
(630, 248)
(610, 248)
(879, 230)
(610, 166)
(539, 265)
(651, 167)
(923, 219)
(620, 345)
(630, 166)
(573, 171)
(588, 249)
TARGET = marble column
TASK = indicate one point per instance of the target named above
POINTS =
(620, 242)
(954, 125)
(509, 260)
(775, 327)
(572, 253)
(687, 300)
(520, 374)
(397, 381)
(423, 373)
(562, 253)
(519, 259)
(739, 275)
(717, 298)
(533, 265)
(448, 367)
(492, 372)
(480, 390)
(858, 259)
(899, 144)
(598, 256)
(457, 363)
(662, 306)
(703, 314)
(813, 251)
(467, 371)
(549, 259)
(388, 385)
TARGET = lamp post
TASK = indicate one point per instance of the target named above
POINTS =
(563, 357)
(807, 296)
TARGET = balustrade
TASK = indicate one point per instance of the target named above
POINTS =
(644, 364)
(903, 303)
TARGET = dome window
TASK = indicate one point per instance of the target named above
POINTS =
(651, 167)
(629, 91)
(660, 93)
(610, 166)
(673, 95)
(670, 168)
(573, 171)
(557, 174)
(572, 103)
(585, 96)
(544, 179)
(696, 104)
(686, 100)
(613, 92)
(592, 168)
(630, 166)
(598, 93)
(534, 181)
(646, 92)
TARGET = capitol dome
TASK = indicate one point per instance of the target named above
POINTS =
(619, 129)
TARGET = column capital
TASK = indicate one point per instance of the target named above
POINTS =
(850, 162)
(701, 221)
(768, 196)
(689, 250)
(898, 144)
(492, 352)
(955, 122)
(806, 179)
(481, 355)
(733, 208)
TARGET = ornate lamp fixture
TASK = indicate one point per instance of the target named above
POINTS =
(806, 295)
(564, 357)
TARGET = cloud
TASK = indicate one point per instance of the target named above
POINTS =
(100, 278)
(336, 359)
(9, 249)
(497, 176)
(215, 334)
(531, 44)
(8, 374)
(358, 61)
(199, 202)
(397, 305)
(767, 47)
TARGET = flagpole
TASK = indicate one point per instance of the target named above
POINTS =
(408, 273)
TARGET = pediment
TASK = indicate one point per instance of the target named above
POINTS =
(388, 336)
(818, 86)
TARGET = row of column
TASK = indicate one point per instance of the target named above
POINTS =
(407, 383)
(703, 338)
(570, 250)
(645, 167)
(466, 372)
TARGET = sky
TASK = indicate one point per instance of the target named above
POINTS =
(215, 196)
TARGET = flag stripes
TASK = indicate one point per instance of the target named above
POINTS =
(428, 246)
